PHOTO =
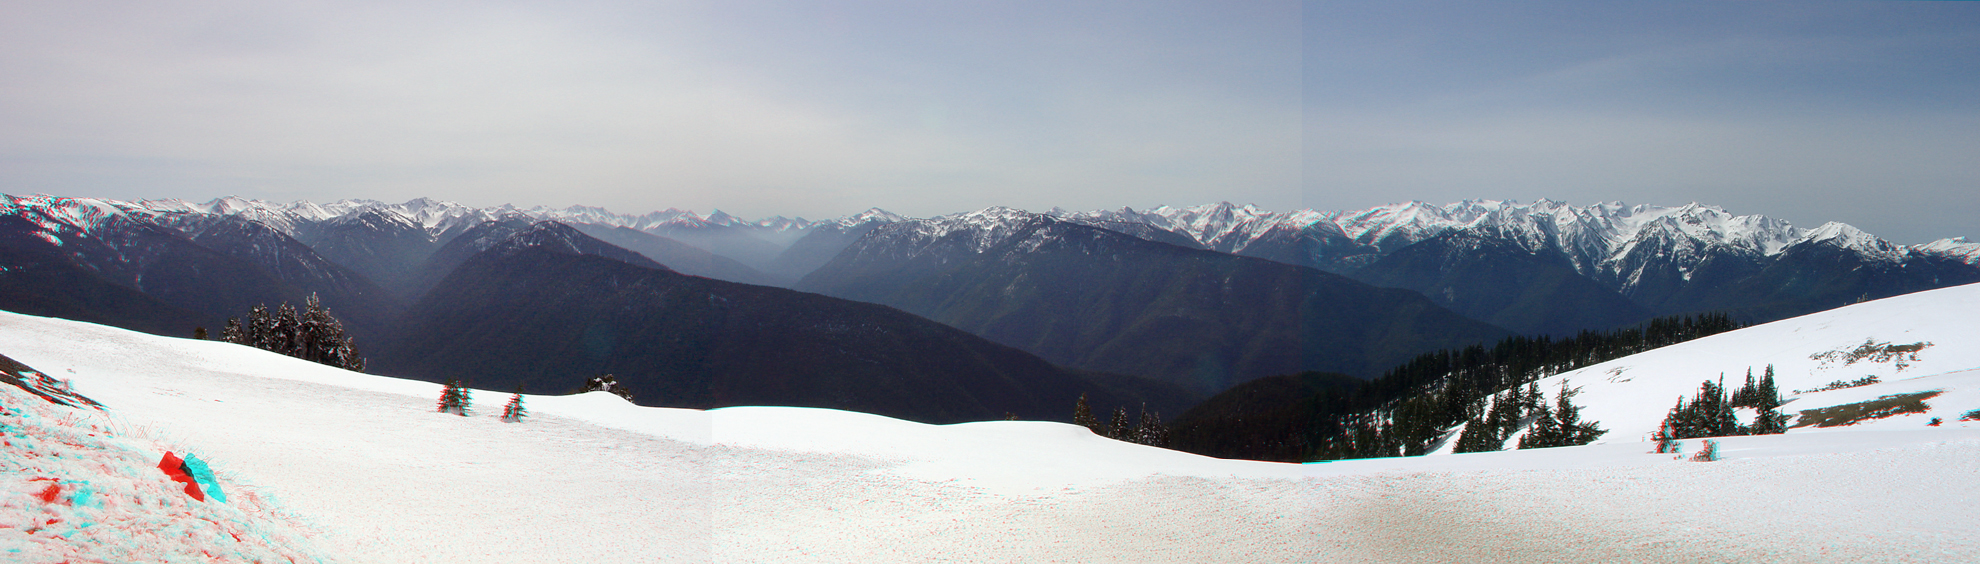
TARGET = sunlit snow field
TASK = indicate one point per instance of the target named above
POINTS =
(366, 467)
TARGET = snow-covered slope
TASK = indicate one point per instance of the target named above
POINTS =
(380, 477)
(82, 485)
(1921, 342)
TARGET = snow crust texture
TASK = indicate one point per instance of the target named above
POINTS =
(81, 486)
(1921, 342)
(382, 477)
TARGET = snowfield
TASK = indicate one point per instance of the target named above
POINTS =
(334, 466)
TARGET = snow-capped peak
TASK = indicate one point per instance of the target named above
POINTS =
(978, 230)
(1844, 236)
(1955, 248)
(870, 215)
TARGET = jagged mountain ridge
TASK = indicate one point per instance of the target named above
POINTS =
(1103, 300)
(1666, 260)
(72, 248)
(770, 251)
(1597, 239)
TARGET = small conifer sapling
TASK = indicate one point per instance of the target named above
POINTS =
(454, 399)
(514, 411)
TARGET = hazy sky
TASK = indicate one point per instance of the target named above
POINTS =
(1867, 113)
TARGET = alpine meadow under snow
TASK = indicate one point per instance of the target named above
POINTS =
(321, 464)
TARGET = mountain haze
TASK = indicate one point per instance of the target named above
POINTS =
(1103, 300)
(543, 309)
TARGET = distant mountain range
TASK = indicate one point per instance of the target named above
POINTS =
(1102, 300)
(1664, 260)
(1199, 298)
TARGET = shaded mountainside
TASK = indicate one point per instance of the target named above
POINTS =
(368, 309)
(170, 284)
(1493, 280)
(1101, 300)
(1815, 276)
(37, 280)
(383, 246)
(547, 318)
(678, 256)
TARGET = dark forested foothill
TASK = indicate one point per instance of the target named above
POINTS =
(1410, 407)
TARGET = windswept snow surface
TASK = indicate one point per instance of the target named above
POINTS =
(1631, 395)
(589, 478)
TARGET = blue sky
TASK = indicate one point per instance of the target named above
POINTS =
(1859, 112)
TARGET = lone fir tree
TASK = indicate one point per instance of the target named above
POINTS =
(1083, 416)
(514, 412)
(454, 399)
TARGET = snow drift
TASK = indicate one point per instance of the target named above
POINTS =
(373, 473)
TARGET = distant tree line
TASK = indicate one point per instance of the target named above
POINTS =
(312, 335)
(1146, 430)
(1416, 404)
(1413, 405)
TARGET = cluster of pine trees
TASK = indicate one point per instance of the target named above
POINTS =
(1411, 406)
(1147, 430)
(1710, 412)
(1517, 408)
(312, 335)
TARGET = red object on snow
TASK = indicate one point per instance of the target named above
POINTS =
(176, 470)
(49, 495)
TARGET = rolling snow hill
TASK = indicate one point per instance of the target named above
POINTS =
(373, 474)
(1916, 343)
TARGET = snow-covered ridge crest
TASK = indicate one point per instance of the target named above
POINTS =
(1596, 238)
(1844, 236)
(1954, 248)
(977, 230)
(434, 216)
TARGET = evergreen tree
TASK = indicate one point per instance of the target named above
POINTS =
(1121, 428)
(607, 383)
(285, 338)
(1083, 416)
(232, 332)
(1747, 395)
(1767, 400)
(514, 412)
(1667, 441)
(260, 328)
(1540, 433)
(313, 335)
(1479, 436)
(1151, 432)
(199, 333)
(1562, 425)
(454, 399)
